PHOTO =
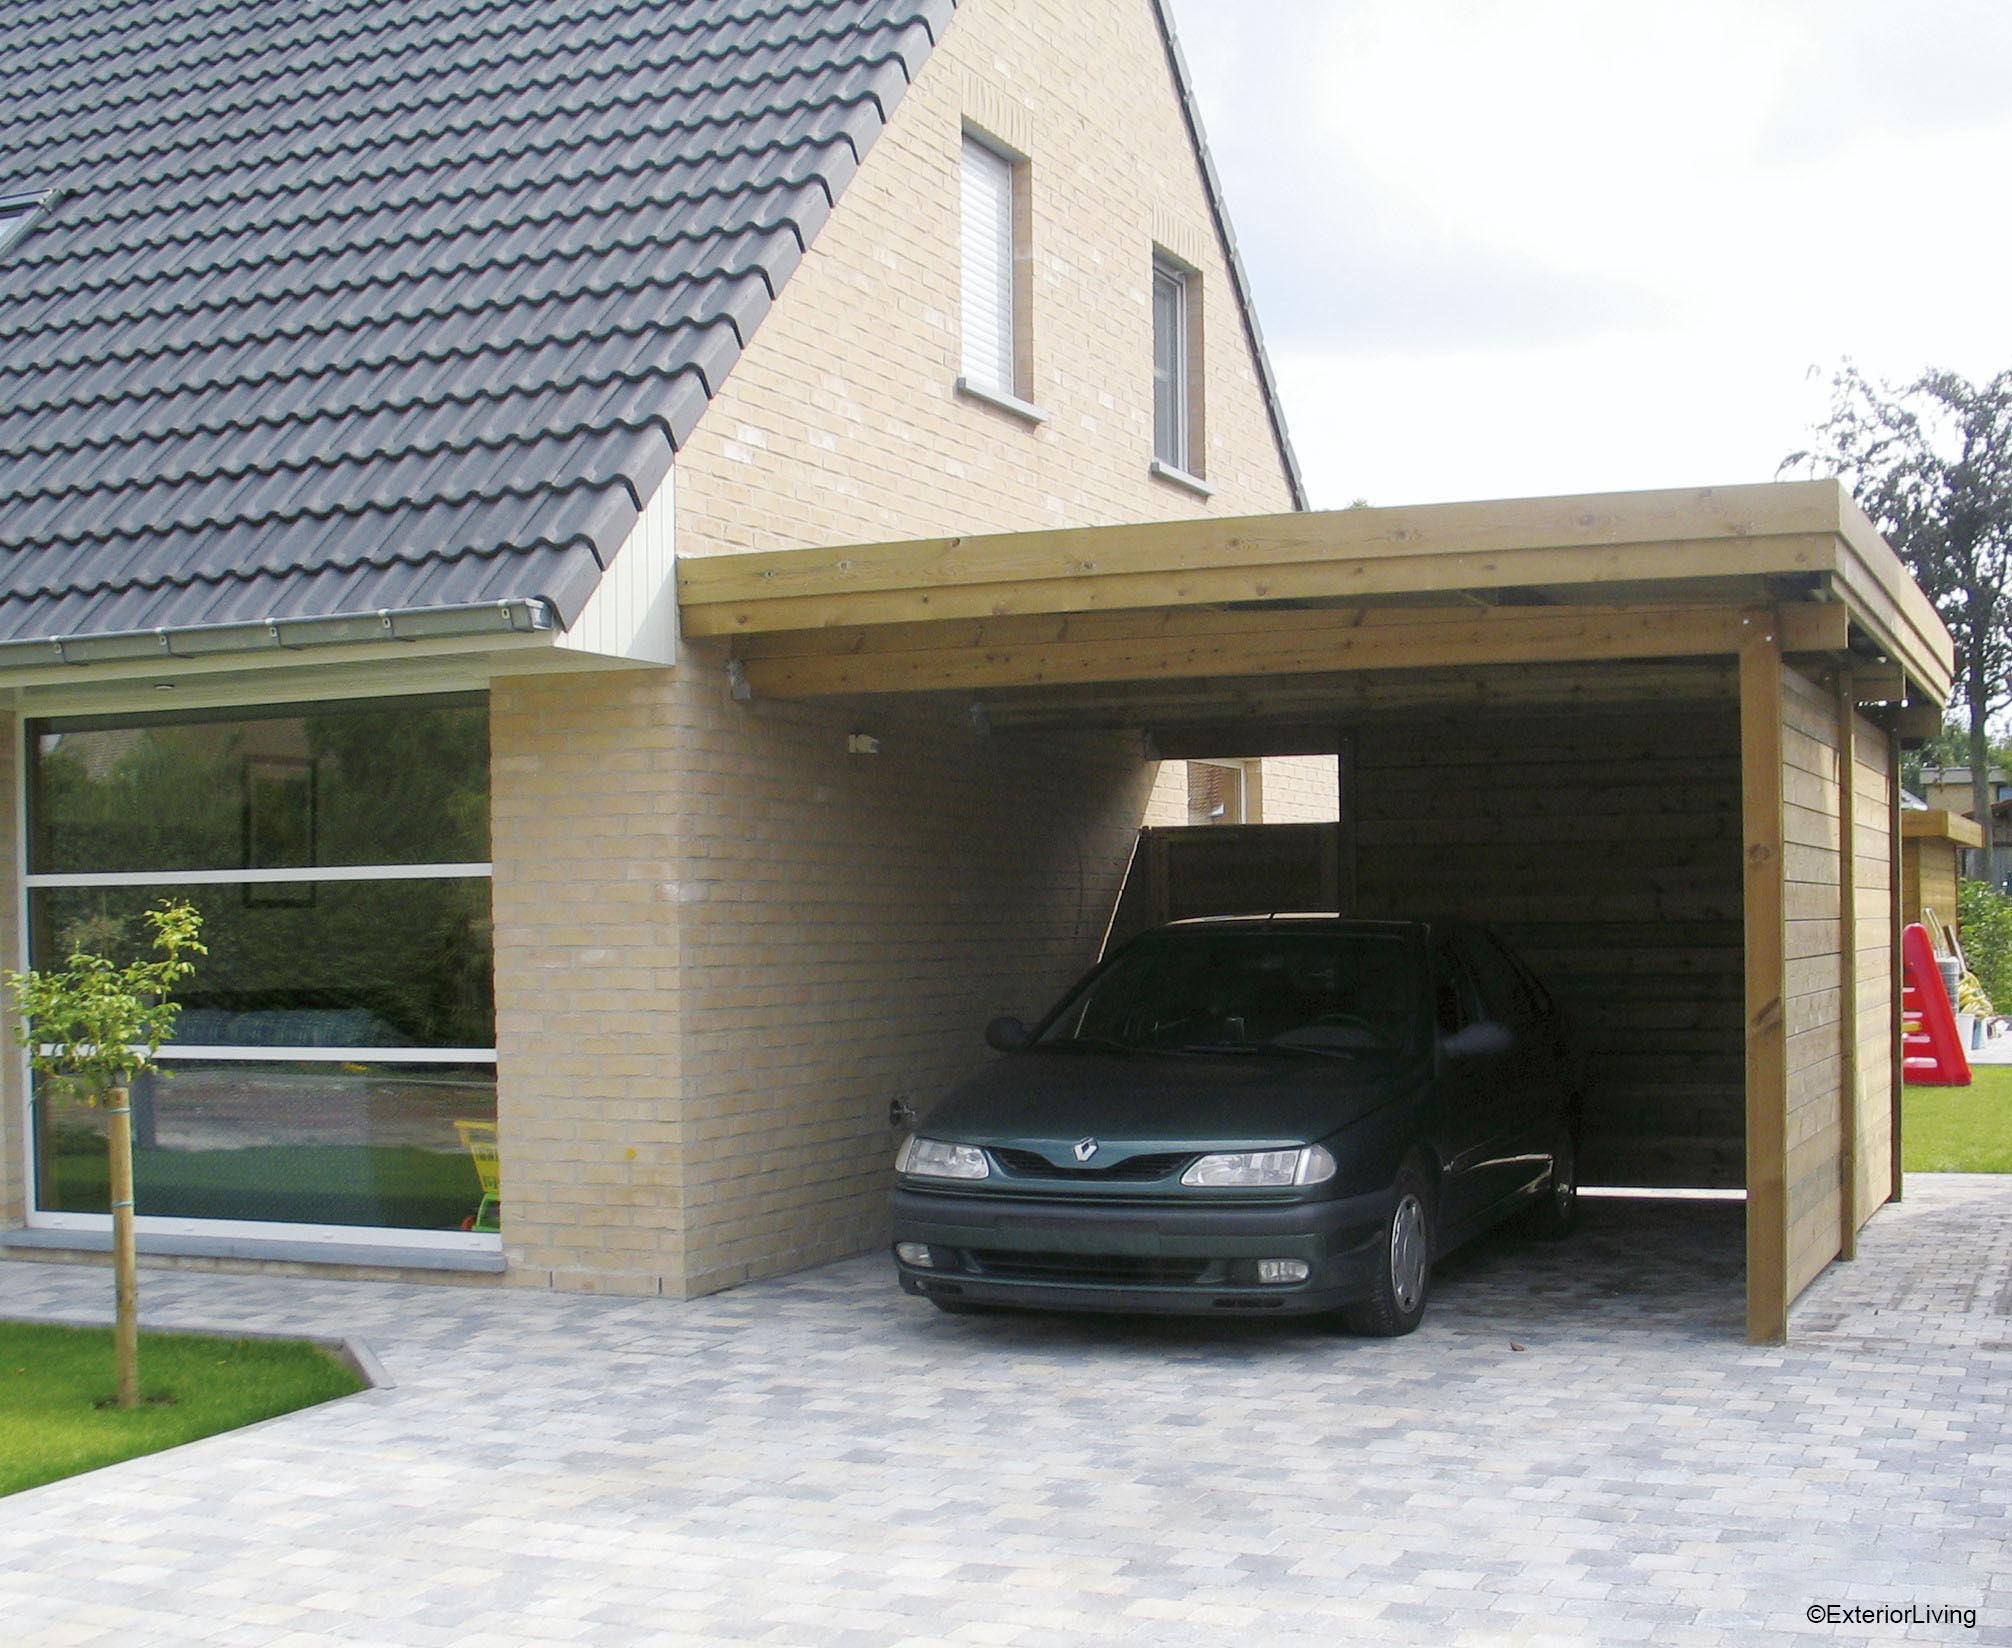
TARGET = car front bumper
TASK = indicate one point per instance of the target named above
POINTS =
(1045, 1253)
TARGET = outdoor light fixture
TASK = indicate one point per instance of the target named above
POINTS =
(861, 743)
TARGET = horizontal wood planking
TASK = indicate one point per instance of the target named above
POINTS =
(1185, 643)
(1873, 838)
(1813, 892)
(1606, 849)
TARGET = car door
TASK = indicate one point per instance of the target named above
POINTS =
(1471, 1076)
(1526, 1124)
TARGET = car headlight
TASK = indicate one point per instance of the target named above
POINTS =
(933, 1159)
(1262, 1169)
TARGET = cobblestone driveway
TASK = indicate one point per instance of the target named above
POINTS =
(1575, 1448)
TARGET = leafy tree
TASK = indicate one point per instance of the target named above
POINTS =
(1984, 916)
(95, 1024)
(1931, 463)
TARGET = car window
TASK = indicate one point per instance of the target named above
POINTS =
(1203, 989)
(1455, 1000)
(1503, 997)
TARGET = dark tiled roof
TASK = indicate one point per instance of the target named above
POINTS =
(349, 304)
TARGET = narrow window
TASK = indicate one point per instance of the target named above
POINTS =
(992, 321)
(1176, 413)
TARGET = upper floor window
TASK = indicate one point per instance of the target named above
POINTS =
(998, 359)
(1177, 418)
(992, 318)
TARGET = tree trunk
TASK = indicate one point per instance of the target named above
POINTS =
(1980, 785)
(125, 1260)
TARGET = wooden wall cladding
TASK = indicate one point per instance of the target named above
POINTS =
(1606, 848)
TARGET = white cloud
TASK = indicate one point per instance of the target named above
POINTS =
(1512, 246)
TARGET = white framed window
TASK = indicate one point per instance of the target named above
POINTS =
(333, 1070)
(1174, 423)
(996, 358)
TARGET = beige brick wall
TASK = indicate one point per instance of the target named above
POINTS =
(723, 943)
(585, 773)
(1301, 789)
(1289, 789)
(841, 423)
(724, 946)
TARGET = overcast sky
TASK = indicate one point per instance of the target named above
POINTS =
(1509, 247)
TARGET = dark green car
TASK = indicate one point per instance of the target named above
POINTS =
(1278, 1114)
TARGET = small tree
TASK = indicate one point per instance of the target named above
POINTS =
(96, 1025)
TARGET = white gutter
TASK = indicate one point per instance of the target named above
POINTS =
(515, 616)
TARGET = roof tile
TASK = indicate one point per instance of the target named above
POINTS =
(359, 304)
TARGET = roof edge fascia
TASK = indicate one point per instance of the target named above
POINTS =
(515, 615)
(1239, 279)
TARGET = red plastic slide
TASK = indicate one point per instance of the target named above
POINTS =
(1931, 1053)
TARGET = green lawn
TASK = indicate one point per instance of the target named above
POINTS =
(1960, 1129)
(53, 1380)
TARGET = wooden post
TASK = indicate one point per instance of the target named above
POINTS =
(1348, 785)
(1894, 964)
(125, 1265)
(1761, 714)
(1847, 966)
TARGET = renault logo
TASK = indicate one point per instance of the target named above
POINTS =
(1085, 1149)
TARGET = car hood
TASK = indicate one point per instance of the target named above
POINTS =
(1149, 1102)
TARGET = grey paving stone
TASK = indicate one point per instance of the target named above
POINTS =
(820, 1461)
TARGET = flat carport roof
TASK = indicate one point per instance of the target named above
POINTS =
(1246, 635)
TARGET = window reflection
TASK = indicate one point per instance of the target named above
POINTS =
(302, 1143)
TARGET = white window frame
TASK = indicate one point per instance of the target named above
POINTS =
(994, 351)
(250, 1230)
(1178, 457)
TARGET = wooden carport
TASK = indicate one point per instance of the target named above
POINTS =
(1775, 613)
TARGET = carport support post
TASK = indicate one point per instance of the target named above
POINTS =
(1761, 714)
(1847, 964)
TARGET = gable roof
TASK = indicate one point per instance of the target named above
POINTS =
(351, 305)
(341, 308)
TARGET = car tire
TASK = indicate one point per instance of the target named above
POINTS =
(1555, 1214)
(1404, 1279)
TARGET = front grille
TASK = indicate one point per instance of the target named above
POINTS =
(1132, 1170)
(1108, 1269)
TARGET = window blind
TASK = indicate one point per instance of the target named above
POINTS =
(988, 268)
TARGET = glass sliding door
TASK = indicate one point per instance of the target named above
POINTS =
(334, 1063)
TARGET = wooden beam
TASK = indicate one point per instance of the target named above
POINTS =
(1939, 824)
(1761, 714)
(1178, 645)
(1893, 870)
(1691, 519)
(1847, 985)
(1917, 723)
(1212, 740)
(1463, 576)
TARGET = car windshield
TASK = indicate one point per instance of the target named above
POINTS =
(1279, 989)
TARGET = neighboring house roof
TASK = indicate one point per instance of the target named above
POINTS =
(352, 306)
(370, 304)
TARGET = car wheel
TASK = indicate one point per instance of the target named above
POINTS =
(1554, 1215)
(1404, 1278)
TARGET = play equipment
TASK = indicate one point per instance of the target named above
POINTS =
(1931, 1051)
(479, 1139)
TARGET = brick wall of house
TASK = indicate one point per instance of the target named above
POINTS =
(724, 945)
(585, 775)
(841, 423)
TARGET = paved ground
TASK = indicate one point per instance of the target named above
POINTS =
(1576, 1447)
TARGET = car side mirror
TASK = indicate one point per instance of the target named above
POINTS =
(1477, 1040)
(1007, 1035)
